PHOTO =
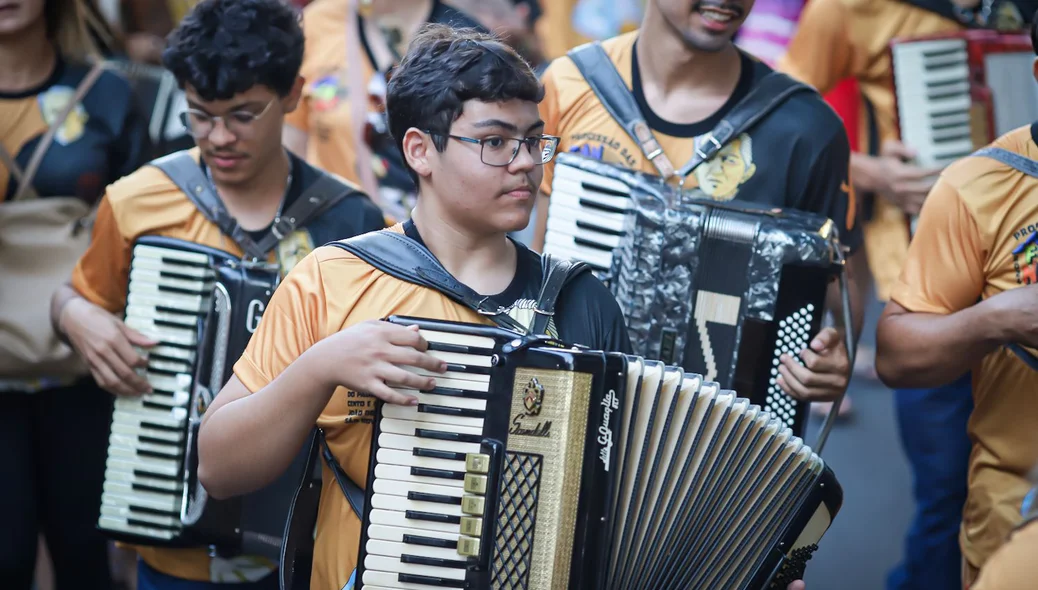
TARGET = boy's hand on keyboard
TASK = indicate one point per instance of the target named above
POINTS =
(107, 345)
(369, 358)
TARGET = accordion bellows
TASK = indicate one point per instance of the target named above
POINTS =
(538, 466)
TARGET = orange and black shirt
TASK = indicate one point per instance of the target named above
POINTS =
(977, 238)
(797, 157)
(147, 202)
(331, 290)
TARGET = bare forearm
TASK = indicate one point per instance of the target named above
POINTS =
(930, 350)
(58, 301)
(864, 172)
(247, 443)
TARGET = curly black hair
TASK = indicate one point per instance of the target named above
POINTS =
(224, 48)
(445, 67)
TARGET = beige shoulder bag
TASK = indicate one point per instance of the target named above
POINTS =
(40, 242)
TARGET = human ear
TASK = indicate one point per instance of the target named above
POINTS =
(418, 148)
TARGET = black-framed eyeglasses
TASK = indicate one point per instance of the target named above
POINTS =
(501, 151)
(200, 124)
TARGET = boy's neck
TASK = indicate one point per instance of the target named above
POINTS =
(485, 262)
(255, 202)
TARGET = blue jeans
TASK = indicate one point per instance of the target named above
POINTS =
(149, 578)
(932, 424)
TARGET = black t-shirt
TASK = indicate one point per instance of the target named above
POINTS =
(103, 139)
(800, 152)
(585, 312)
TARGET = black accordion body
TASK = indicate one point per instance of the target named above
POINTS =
(201, 305)
(724, 289)
(537, 466)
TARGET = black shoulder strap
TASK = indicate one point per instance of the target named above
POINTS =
(773, 90)
(607, 84)
(556, 273)
(1013, 160)
(185, 172)
(403, 258)
(601, 75)
(354, 495)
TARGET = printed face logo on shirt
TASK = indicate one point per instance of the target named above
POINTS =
(293, 249)
(720, 177)
(52, 103)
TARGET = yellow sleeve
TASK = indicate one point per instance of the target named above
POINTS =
(1013, 566)
(820, 53)
(549, 110)
(944, 272)
(293, 321)
(102, 272)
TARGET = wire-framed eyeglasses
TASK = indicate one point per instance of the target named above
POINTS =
(200, 124)
(499, 151)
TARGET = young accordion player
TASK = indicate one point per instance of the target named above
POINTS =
(463, 107)
(185, 254)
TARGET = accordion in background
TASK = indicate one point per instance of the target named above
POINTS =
(959, 92)
(722, 289)
(538, 466)
(160, 101)
(201, 305)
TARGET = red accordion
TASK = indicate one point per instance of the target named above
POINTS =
(956, 93)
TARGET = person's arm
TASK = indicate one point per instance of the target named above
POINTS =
(892, 176)
(932, 331)
(549, 109)
(826, 367)
(287, 375)
(822, 52)
(83, 313)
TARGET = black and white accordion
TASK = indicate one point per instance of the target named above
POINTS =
(201, 305)
(538, 466)
(724, 289)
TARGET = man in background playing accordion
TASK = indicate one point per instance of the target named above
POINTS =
(966, 302)
(686, 76)
(238, 63)
(463, 109)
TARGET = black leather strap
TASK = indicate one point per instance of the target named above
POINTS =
(185, 172)
(354, 495)
(607, 84)
(403, 258)
(298, 547)
(773, 90)
(556, 273)
(603, 78)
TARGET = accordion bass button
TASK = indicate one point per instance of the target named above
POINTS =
(475, 484)
(471, 526)
(475, 505)
(477, 463)
(468, 546)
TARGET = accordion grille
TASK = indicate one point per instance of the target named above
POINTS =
(516, 519)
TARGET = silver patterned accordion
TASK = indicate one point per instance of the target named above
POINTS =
(724, 289)
(202, 305)
(537, 466)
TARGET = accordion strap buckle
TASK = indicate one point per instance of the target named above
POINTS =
(706, 155)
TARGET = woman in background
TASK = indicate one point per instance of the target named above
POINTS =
(54, 432)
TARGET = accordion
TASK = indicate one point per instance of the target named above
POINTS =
(959, 92)
(201, 305)
(722, 289)
(537, 466)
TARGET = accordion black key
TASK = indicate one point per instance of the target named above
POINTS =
(723, 289)
(537, 466)
(201, 305)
